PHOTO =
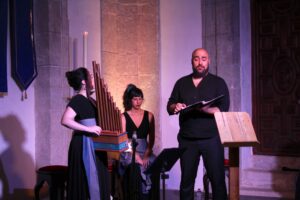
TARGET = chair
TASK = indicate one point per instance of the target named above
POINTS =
(56, 177)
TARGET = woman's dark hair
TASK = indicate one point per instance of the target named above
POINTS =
(76, 76)
(130, 92)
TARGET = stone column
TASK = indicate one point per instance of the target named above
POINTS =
(221, 37)
(222, 40)
(130, 51)
(51, 89)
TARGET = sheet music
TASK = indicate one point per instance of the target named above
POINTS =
(200, 104)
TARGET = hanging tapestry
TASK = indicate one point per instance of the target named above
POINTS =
(3, 46)
(24, 68)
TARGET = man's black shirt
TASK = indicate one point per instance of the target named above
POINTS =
(195, 124)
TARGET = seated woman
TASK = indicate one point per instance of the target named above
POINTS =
(138, 123)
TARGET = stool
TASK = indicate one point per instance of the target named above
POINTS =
(55, 176)
(206, 180)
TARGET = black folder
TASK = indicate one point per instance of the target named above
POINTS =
(200, 104)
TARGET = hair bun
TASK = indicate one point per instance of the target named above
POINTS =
(130, 87)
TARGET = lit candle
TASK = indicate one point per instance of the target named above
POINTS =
(85, 34)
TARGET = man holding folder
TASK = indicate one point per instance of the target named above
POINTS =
(198, 131)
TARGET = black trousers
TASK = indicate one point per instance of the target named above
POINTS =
(132, 185)
(212, 153)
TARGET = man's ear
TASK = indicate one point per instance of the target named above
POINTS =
(83, 82)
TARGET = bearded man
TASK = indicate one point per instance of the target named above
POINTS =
(198, 132)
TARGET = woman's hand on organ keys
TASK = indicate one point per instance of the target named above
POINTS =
(95, 129)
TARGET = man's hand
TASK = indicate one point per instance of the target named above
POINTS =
(179, 107)
(209, 110)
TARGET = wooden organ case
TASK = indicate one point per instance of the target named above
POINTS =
(111, 139)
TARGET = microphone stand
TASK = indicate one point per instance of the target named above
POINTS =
(134, 193)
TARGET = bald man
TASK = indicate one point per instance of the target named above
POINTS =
(198, 132)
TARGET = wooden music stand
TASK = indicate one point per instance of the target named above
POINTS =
(236, 130)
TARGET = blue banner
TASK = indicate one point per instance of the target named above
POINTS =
(3, 45)
(24, 68)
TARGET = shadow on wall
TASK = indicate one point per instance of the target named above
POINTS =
(16, 165)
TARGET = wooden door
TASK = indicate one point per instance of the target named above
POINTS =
(276, 76)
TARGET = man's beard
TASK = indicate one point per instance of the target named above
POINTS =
(198, 74)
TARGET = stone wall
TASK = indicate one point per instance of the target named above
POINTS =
(227, 36)
(130, 51)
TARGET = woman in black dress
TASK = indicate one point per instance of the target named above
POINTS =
(135, 120)
(87, 176)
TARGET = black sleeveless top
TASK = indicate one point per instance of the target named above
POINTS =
(141, 131)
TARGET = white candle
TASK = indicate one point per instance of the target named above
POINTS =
(75, 53)
(71, 64)
(85, 34)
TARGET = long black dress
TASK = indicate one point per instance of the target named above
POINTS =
(137, 184)
(87, 175)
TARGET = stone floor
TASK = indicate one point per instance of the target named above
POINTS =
(174, 195)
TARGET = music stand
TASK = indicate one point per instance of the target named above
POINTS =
(163, 163)
(235, 130)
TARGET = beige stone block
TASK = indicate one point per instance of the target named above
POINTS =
(148, 26)
(117, 85)
(150, 86)
(148, 63)
(109, 6)
(119, 64)
(127, 30)
(149, 8)
(127, 10)
(109, 33)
